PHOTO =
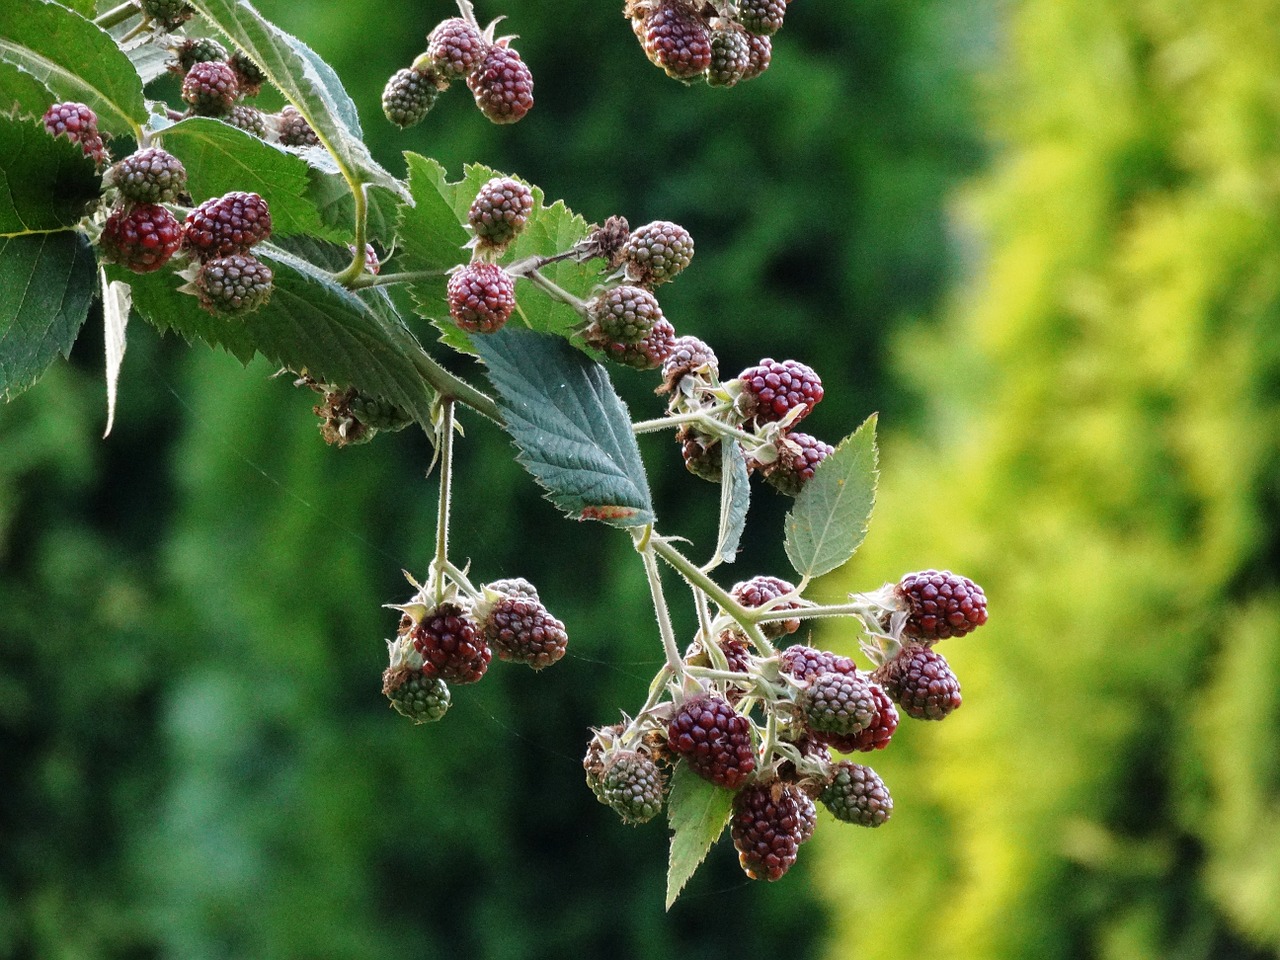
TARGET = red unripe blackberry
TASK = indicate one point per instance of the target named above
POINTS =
(650, 353)
(730, 56)
(210, 88)
(874, 736)
(677, 40)
(941, 604)
(236, 284)
(371, 262)
(856, 794)
(921, 682)
(761, 590)
(293, 129)
(141, 238)
(762, 17)
(736, 652)
(759, 56)
(421, 699)
(170, 14)
(633, 786)
(481, 297)
(228, 224)
(513, 587)
(500, 211)
(608, 239)
(502, 85)
(798, 456)
(767, 825)
(78, 124)
(839, 703)
(195, 50)
(701, 454)
(455, 47)
(714, 739)
(249, 119)
(249, 76)
(150, 175)
(409, 96)
(451, 646)
(657, 252)
(623, 315)
(520, 630)
(689, 356)
(775, 388)
(807, 663)
(808, 811)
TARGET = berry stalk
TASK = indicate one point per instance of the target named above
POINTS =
(118, 15)
(355, 268)
(440, 564)
(694, 575)
(675, 662)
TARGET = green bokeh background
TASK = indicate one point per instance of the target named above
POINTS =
(1041, 238)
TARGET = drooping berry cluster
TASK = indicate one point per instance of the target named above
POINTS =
(220, 233)
(723, 45)
(140, 233)
(216, 83)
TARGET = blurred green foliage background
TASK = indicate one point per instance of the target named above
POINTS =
(1042, 238)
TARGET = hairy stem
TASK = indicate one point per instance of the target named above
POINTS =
(692, 573)
(454, 387)
(355, 269)
(441, 562)
(118, 15)
(366, 279)
(675, 662)
(557, 293)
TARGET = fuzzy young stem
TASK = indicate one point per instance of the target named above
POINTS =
(452, 387)
(692, 573)
(366, 279)
(675, 662)
(441, 562)
(118, 15)
(355, 270)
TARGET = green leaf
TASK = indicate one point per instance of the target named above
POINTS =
(75, 59)
(46, 183)
(46, 286)
(828, 521)
(306, 81)
(220, 158)
(310, 323)
(572, 428)
(331, 196)
(735, 499)
(697, 812)
(22, 93)
(86, 8)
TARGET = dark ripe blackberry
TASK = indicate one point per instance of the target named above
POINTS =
(141, 238)
(689, 357)
(921, 682)
(798, 456)
(875, 736)
(249, 75)
(761, 590)
(762, 17)
(650, 352)
(293, 129)
(520, 630)
(455, 47)
(775, 388)
(451, 646)
(678, 40)
(806, 663)
(237, 284)
(701, 453)
(633, 786)
(481, 297)
(657, 252)
(941, 604)
(249, 119)
(170, 14)
(767, 825)
(150, 175)
(210, 88)
(502, 85)
(409, 96)
(421, 699)
(500, 211)
(195, 50)
(78, 124)
(730, 56)
(839, 703)
(856, 794)
(759, 56)
(623, 315)
(228, 224)
(714, 739)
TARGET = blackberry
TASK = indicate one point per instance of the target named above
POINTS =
(650, 353)
(762, 17)
(689, 357)
(150, 175)
(714, 739)
(806, 663)
(856, 794)
(78, 124)
(941, 604)
(228, 224)
(455, 47)
(607, 240)
(657, 252)
(249, 76)
(451, 646)
(210, 88)
(249, 119)
(513, 587)
(759, 56)
(701, 454)
(598, 749)
(195, 50)
(762, 590)
(170, 14)
(236, 284)
(293, 130)
(766, 826)
(502, 85)
(633, 786)
(520, 630)
(840, 703)
(730, 56)
(409, 96)
(677, 40)
(798, 456)
(808, 814)
(481, 297)
(875, 736)
(772, 389)
(500, 211)
(141, 238)
(421, 699)
(378, 413)
(921, 682)
(623, 315)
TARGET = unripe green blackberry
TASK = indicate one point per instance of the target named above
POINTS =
(455, 47)
(762, 590)
(921, 681)
(237, 284)
(502, 85)
(689, 357)
(730, 56)
(840, 703)
(249, 119)
(78, 124)
(941, 604)
(141, 238)
(772, 389)
(170, 14)
(623, 315)
(874, 736)
(762, 17)
(766, 827)
(856, 794)
(378, 414)
(520, 630)
(798, 456)
(249, 75)
(657, 252)
(293, 129)
(210, 88)
(195, 50)
(500, 211)
(599, 748)
(701, 454)
(677, 40)
(150, 175)
(409, 96)
(451, 646)
(633, 786)
(481, 297)
(714, 739)
(649, 353)
(759, 56)
(421, 699)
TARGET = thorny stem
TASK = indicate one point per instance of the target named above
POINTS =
(675, 662)
(118, 15)
(441, 562)
(691, 572)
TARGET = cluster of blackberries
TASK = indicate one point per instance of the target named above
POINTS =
(814, 703)
(349, 417)
(482, 294)
(721, 43)
(453, 642)
(457, 48)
